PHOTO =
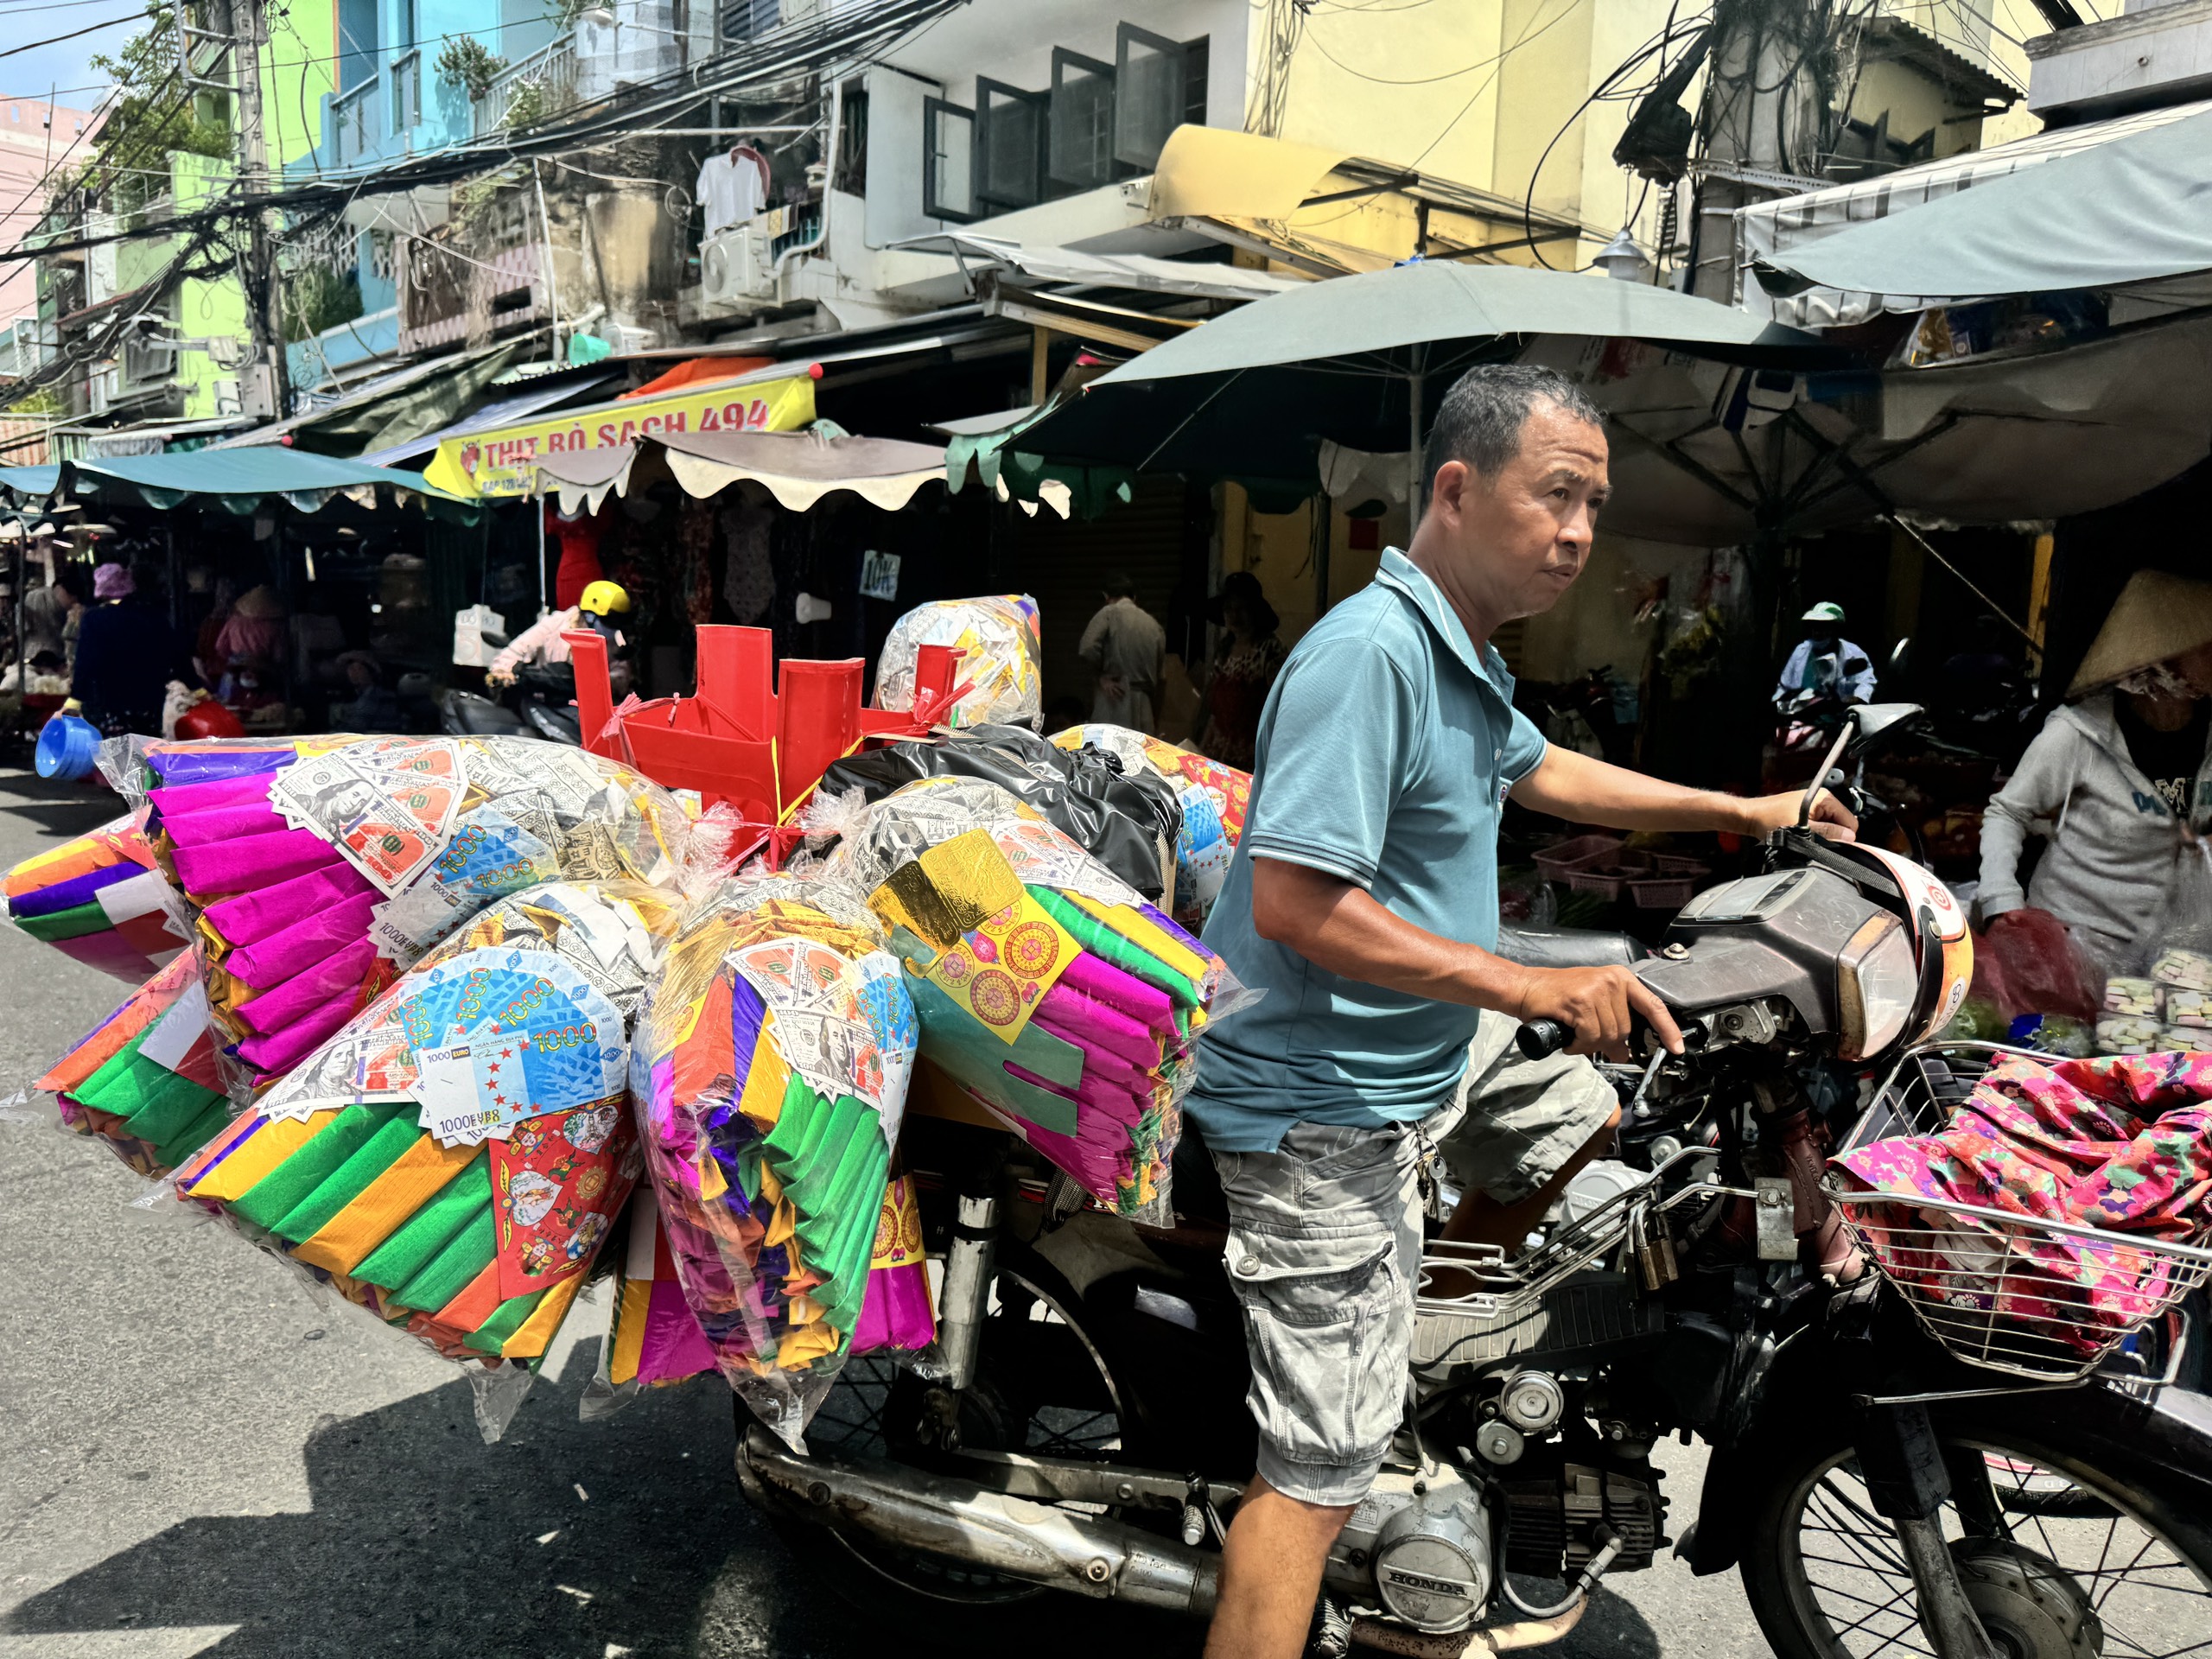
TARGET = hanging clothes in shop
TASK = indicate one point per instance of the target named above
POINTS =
(691, 579)
(578, 541)
(748, 566)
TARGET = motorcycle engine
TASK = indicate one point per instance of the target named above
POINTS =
(1421, 1547)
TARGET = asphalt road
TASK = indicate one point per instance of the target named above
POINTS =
(198, 1457)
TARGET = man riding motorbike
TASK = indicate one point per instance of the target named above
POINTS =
(1363, 900)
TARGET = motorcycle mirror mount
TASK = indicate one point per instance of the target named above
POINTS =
(1844, 734)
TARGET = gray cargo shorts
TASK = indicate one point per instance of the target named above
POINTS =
(1325, 1245)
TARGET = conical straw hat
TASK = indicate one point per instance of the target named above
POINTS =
(2157, 617)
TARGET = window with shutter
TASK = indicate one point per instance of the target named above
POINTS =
(948, 156)
(1150, 94)
(1079, 153)
(1009, 146)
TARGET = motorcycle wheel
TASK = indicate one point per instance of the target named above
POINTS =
(2060, 1558)
(1043, 1386)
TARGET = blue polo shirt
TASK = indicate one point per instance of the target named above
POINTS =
(1384, 756)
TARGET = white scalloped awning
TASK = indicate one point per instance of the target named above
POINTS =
(800, 468)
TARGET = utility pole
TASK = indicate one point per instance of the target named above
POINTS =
(1765, 120)
(264, 290)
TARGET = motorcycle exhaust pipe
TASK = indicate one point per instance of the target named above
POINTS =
(968, 1523)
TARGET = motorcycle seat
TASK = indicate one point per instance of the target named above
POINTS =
(1568, 947)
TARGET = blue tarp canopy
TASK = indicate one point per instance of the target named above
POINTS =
(235, 481)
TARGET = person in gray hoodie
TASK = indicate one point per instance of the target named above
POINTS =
(2119, 781)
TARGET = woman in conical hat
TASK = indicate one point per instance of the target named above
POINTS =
(2118, 780)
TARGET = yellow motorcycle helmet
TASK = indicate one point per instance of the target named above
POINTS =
(604, 598)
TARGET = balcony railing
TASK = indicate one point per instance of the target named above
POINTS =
(354, 123)
(529, 90)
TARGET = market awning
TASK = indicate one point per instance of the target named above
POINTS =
(504, 461)
(235, 480)
(502, 411)
(798, 468)
(1138, 272)
(2037, 217)
(1252, 395)
(361, 411)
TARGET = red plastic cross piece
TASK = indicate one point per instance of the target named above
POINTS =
(754, 739)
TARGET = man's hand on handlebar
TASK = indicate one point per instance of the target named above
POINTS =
(1600, 1006)
(1831, 818)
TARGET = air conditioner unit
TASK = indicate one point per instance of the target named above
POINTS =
(147, 358)
(735, 270)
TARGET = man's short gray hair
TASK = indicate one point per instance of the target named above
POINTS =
(1482, 415)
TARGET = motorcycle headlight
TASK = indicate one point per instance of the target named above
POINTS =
(1878, 981)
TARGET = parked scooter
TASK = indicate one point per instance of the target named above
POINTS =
(542, 703)
(1893, 1462)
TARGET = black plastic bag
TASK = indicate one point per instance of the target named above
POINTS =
(1129, 823)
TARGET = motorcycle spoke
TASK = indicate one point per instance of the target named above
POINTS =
(2120, 1576)
(1912, 1622)
(1861, 1540)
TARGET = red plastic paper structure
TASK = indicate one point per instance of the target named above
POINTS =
(753, 737)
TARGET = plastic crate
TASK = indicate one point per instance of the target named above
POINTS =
(1554, 862)
(1669, 891)
(1608, 873)
(1677, 864)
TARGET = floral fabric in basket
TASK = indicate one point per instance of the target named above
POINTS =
(2122, 1144)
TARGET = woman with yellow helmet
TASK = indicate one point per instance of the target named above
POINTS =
(596, 608)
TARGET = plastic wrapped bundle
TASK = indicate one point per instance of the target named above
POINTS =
(769, 1078)
(1213, 799)
(1045, 986)
(452, 1158)
(100, 899)
(898, 1313)
(655, 1338)
(1000, 660)
(146, 1078)
(318, 869)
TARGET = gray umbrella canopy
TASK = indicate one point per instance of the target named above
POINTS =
(1363, 360)
(1724, 427)
(2135, 210)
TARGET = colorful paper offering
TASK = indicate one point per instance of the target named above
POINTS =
(100, 899)
(1044, 986)
(1001, 659)
(318, 869)
(1213, 797)
(146, 1078)
(769, 1075)
(453, 1157)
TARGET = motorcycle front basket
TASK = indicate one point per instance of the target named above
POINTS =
(2037, 1298)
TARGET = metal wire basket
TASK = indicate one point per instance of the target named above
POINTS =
(2034, 1299)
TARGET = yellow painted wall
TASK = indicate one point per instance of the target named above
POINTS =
(1470, 91)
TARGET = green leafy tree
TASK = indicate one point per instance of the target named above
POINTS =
(467, 62)
(157, 113)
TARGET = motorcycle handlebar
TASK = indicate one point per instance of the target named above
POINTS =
(1542, 1038)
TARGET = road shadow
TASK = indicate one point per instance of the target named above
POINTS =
(423, 1541)
(55, 811)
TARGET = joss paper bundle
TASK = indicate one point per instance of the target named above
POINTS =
(769, 1077)
(1001, 662)
(1213, 798)
(452, 1158)
(1044, 986)
(655, 1338)
(317, 869)
(146, 1079)
(100, 899)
